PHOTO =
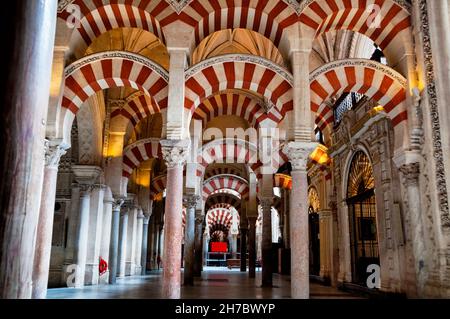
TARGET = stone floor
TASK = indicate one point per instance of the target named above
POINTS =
(215, 283)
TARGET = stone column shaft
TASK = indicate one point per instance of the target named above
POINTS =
(198, 244)
(144, 246)
(266, 244)
(251, 247)
(298, 153)
(189, 236)
(138, 247)
(174, 153)
(81, 239)
(410, 174)
(114, 246)
(28, 29)
(45, 225)
(123, 242)
(243, 249)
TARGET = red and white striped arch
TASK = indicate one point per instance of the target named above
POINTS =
(158, 185)
(221, 205)
(137, 108)
(220, 216)
(232, 182)
(222, 199)
(139, 152)
(269, 18)
(321, 16)
(367, 77)
(105, 70)
(227, 151)
(235, 71)
(225, 170)
(98, 17)
(240, 105)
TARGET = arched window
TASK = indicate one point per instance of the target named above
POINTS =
(362, 217)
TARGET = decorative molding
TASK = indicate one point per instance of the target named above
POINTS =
(298, 154)
(300, 7)
(359, 62)
(191, 201)
(53, 154)
(178, 5)
(434, 115)
(285, 74)
(114, 55)
(175, 152)
(411, 173)
(63, 4)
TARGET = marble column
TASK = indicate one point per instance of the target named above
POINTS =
(131, 241)
(144, 250)
(251, 247)
(86, 176)
(326, 243)
(243, 249)
(298, 153)
(108, 202)
(28, 29)
(114, 246)
(174, 153)
(266, 245)
(45, 225)
(94, 235)
(81, 237)
(410, 174)
(138, 247)
(198, 243)
(156, 245)
(301, 117)
(123, 234)
(190, 202)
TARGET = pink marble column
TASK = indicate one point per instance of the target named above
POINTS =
(175, 153)
(45, 225)
(28, 32)
(298, 153)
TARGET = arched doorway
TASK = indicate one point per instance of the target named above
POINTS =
(314, 232)
(362, 217)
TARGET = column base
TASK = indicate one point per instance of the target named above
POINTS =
(130, 268)
(91, 275)
(138, 270)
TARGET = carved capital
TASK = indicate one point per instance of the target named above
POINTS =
(175, 152)
(191, 201)
(410, 173)
(53, 154)
(298, 154)
(85, 189)
(118, 204)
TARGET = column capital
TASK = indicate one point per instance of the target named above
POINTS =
(190, 201)
(85, 189)
(117, 204)
(146, 220)
(86, 174)
(298, 154)
(53, 153)
(410, 173)
(175, 152)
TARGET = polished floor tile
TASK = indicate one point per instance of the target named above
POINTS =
(215, 283)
